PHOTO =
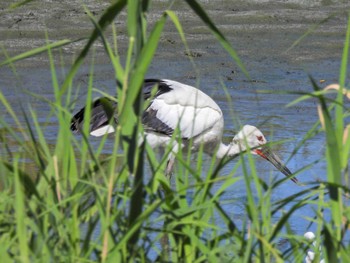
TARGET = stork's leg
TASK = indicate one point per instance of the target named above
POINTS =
(165, 238)
(169, 166)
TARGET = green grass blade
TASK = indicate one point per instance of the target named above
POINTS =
(333, 150)
(21, 230)
(119, 71)
(136, 202)
(134, 87)
(339, 118)
(105, 20)
(216, 32)
(134, 228)
(37, 51)
(309, 31)
(174, 18)
(19, 4)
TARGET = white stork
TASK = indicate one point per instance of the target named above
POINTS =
(195, 114)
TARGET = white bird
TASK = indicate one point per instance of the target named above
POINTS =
(195, 114)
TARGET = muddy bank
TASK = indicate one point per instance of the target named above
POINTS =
(258, 30)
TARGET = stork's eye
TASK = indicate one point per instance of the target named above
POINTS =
(260, 138)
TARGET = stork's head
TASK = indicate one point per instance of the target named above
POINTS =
(253, 138)
(250, 135)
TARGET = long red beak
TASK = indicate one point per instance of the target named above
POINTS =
(267, 154)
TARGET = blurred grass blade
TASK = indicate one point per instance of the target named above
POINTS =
(134, 228)
(119, 71)
(19, 4)
(136, 202)
(37, 51)
(333, 149)
(333, 155)
(339, 118)
(25, 180)
(329, 244)
(107, 18)
(309, 31)
(21, 230)
(216, 32)
(174, 18)
(143, 62)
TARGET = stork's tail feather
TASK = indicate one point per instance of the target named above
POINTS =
(103, 117)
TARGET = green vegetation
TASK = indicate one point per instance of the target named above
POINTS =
(78, 205)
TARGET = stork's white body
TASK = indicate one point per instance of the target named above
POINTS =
(193, 112)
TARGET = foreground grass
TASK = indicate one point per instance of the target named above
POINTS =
(77, 205)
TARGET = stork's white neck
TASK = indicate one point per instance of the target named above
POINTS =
(230, 150)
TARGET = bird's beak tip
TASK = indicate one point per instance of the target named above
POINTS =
(295, 180)
(275, 160)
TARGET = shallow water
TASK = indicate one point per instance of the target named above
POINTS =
(260, 31)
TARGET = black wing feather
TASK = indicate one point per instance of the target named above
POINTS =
(102, 111)
(149, 84)
(149, 118)
(152, 124)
